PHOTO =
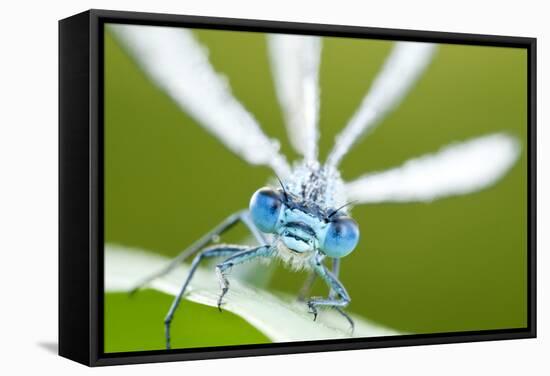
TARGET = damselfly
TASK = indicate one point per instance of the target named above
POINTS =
(304, 218)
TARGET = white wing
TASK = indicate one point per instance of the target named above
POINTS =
(457, 169)
(179, 65)
(295, 64)
(400, 71)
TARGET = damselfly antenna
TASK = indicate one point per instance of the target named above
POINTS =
(283, 187)
(332, 213)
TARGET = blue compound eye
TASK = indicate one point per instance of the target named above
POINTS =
(341, 237)
(265, 207)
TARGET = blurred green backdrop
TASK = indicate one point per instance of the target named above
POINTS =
(452, 265)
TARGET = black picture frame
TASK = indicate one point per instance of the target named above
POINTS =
(81, 186)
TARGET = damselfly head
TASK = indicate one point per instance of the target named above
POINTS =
(302, 225)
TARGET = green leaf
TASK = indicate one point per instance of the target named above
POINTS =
(136, 323)
(278, 316)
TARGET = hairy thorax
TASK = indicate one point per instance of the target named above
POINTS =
(317, 184)
(296, 261)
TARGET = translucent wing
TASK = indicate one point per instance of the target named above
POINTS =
(401, 69)
(179, 65)
(295, 64)
(457, 169)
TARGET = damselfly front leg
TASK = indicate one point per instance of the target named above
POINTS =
(338, 297)
(239, 258)
(308, 283)
(238, 254)
(306, 287)
(332, 294)
(241, 216)
(211, 252)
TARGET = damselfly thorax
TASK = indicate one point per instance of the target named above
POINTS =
(317, 186)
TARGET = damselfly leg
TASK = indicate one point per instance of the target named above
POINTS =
(241, 216)
(312, 277)
(306, 287)
(338, 297)
(332, 294)
(239, 258)
(214, 251)
(238, 255)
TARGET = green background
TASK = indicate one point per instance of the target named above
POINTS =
(455, 264)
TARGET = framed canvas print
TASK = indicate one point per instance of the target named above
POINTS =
(240, 187)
